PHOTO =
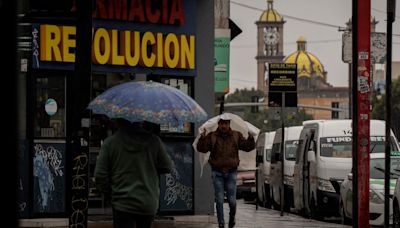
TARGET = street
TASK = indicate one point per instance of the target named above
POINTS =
(247, 217)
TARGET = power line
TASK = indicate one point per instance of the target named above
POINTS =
(241, 80)
(294, 43)
(302, 19)
(291, 43)
(291, 17)
(381, 11)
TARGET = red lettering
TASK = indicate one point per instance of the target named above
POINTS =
(110, 9)
(176, 13)
(152, 17)
(165, 12)
(121, 12)
(101, 9)
(136, 10)
(151, 11)
(124, 10)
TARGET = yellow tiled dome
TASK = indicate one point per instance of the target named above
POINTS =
(270, 15)
(307, 63)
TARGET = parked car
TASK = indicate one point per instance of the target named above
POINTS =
(288, 157)
(323, 161)
(396, 197)
(376, 192)
(246, 185)
(263, 163)
(246, 178)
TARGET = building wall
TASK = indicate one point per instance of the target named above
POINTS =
(324, 98)
(204, 95)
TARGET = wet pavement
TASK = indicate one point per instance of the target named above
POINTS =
(247, 217)
(250, 217)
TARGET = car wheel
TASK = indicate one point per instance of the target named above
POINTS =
(344, 219)
(396, 216)
(267, 195)
(314, 214)
(275, 206)
(261, 200)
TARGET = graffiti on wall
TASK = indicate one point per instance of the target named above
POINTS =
(176, 193)
(49, 178)
(79, 204)
(23, 191)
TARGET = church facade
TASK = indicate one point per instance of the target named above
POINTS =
(315, 94)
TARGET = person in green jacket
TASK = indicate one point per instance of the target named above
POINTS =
(128, 169)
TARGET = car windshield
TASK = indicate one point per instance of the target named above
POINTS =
(377, 167)
(290, 149)
(341, 146)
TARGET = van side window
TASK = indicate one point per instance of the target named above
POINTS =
(275, 153)
(313, 145)
(268, 155)
(298, 150)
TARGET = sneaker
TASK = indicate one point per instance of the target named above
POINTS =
(221, 226)
(232, 222)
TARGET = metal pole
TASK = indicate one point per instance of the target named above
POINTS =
(354, 111)
(283, 154)
(222, 105)
(391, 7)
(10, 91)
(78, 118)
(350, 89)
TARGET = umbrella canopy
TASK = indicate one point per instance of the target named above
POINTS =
(236, 123)
(148, 101)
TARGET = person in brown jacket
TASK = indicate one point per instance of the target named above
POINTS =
(224, 145)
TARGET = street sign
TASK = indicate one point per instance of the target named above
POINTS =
(235, 30)
(282, 79)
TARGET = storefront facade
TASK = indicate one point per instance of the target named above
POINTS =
(167, 41)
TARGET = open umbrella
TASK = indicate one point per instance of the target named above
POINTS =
(236, 123)
(148, 101)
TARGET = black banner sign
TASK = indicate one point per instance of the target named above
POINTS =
(282, 79)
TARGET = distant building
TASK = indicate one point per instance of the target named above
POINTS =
(312, 86)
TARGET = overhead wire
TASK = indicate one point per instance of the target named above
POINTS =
(340, 28)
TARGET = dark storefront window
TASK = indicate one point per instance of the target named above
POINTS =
(186, 86)
(50, 107)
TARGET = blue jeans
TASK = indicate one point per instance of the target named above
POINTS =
(224, 182)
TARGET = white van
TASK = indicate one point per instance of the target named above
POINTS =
(324, 158)
(290, 146)
(263, 161)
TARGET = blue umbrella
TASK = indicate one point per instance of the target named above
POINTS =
(148, 101)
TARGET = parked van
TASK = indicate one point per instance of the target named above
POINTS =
(291, 141)
(246, 172)
(263, 161)
(324, 158)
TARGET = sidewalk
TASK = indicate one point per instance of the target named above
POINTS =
(247, 217)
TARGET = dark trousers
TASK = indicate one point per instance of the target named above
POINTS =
(123, 219)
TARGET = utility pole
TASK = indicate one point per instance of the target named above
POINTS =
(78, 118)
(391, 9)
(361, 60)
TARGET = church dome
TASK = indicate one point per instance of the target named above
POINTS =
(307, 63)
(270, 15)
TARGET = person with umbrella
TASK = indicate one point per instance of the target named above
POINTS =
(128, 169)
(224, 145)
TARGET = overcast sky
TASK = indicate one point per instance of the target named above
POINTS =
(324, 41)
